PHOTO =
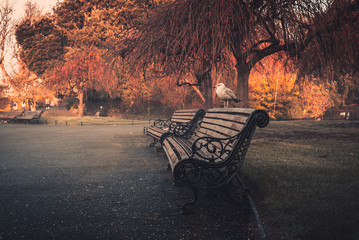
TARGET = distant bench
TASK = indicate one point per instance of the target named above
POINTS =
(30, 116)
(183, 122)
(214, 154)
(10, 116)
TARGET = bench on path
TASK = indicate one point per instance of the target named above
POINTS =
(182, 121)
(30, 116)
(212, 157)
(10, 116)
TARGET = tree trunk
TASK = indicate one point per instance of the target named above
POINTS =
(149, 108)
(5, 74)
(242, 85)
(206, 79)
(81, 103)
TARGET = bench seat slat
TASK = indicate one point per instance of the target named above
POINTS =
(175, 151)
(156, 132)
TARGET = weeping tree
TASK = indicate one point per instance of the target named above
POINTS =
(334, 55)
(200, 35)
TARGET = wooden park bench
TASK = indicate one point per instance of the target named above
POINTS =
(10, 116)
(182, 121)
(212, 157)
(30, 116)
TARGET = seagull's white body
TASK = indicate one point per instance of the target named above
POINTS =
(225, 94)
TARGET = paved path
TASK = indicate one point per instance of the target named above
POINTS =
(98, 182)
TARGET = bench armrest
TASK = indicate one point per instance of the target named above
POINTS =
(184, 130)
(177, 129)
(160, 123)
(212, 149)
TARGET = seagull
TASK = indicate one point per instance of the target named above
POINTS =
(225, 94)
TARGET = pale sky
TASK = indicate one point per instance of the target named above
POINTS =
(45, 6)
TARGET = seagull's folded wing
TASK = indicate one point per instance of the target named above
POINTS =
(231, 94)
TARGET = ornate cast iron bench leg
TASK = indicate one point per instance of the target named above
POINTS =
(154, 143)
(228, 196)
(198, 196)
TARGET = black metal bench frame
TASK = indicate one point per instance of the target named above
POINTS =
(207, 161)
(182, 122)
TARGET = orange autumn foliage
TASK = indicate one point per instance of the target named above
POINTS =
(317, 97)
(273, 88)
(83, 70)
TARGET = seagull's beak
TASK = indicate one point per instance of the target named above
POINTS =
(214, 87)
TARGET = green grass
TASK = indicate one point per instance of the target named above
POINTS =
(308, 174)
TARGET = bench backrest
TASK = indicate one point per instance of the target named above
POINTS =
(187, 116)
(225, 131)
(223, 122)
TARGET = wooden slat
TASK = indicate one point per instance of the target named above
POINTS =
(185, 143)
(220, 129)
(172, 157)
(227, 117)
(226, 124)
(189, 116)
(231, 110)
(181, 149)
(210, 133)
(181, 118)
(187, 110)
(184, 113)
(155, 132)
(174, 151)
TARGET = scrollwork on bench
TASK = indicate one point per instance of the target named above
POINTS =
(161, 123)
(181, 122)
(184, 130)
(212, 149)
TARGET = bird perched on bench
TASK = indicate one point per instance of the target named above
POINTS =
(225, 94)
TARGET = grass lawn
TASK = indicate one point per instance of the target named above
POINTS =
(308, 175)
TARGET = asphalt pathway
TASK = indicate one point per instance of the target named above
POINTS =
(99, 182)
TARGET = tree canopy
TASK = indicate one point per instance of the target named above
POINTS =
(42, 44)
(189, 33)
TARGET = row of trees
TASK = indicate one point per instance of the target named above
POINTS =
(140, 51)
